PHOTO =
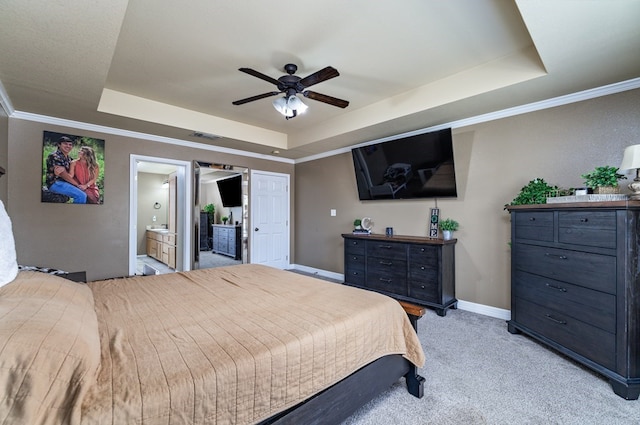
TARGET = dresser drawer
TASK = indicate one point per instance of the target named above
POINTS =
(586, 340)
(592, 307)
(354, 246)
(595, 271)
(534, 225)
(423, 273)
(593, 228)
(354, 264)
(387, 275)
(427, 290)
(351, 259)
(354, 274)
(387, 250)
(424, 256)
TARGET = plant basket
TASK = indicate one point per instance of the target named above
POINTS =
(606, 190)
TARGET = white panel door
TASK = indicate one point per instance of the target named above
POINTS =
(270, 219)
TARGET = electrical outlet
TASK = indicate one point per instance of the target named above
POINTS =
(333, 213)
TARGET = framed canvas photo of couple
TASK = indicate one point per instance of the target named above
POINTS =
(72, 169)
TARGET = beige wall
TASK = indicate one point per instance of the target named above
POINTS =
(88, 237)
(493, 161)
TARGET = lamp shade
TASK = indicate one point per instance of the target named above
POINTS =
(296, 104)
(282, 106)
(631, 158)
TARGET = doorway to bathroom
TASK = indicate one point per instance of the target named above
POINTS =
(159, 219)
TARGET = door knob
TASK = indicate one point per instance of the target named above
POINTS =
(256, 229)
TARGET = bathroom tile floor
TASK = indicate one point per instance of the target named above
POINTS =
(208, 260)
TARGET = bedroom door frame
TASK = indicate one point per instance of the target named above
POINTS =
(184, 195)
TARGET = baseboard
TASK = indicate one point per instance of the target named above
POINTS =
(486, 310)
(319, 272)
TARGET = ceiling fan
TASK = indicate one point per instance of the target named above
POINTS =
(291, 85)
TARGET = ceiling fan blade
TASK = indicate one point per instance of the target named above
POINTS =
(259, 75)
(320, 76)
(326, 99)
(257, 97)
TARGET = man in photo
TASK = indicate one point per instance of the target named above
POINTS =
(58, 179)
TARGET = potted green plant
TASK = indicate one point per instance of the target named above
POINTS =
(224, 219)
(535, 192)
(448, 226)
(210, 209)
(357, 223)
(603, 179)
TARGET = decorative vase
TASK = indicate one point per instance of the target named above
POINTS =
(447, 234)
(606, 190)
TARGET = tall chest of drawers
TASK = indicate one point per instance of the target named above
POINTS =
(414, 269)
(575, 284)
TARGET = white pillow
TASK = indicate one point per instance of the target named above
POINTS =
(8, 262)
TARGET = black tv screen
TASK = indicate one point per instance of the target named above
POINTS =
(231, 191)
(418, 166)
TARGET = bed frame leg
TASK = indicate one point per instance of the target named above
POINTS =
(415, 382)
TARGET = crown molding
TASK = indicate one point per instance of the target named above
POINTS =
(632, 84)
(491, 116)
(136, 135)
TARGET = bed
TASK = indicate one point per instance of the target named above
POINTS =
(234, 345)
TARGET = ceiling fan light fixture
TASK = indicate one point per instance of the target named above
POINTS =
(280, 104)
(291, 85)
(289, 106)
(296, 104)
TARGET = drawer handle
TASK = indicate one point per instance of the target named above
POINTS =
(384, 280)
(584, 220)
(421, 286)
(355, 242)
(532, 219)
(560, 322)
(385, 246)
(386, 263)
(354, 258)
(562, 257)
(421, 249)
(421, 267)
(557, 288)
(355, 273)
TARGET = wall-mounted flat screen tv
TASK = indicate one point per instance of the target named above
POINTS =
(230, 190)
(417, 166)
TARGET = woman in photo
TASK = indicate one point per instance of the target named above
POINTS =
(85, 170)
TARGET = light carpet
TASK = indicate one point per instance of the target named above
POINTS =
(478, 373)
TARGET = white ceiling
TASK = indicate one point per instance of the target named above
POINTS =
(168, 68)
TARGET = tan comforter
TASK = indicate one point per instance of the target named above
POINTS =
(229, 345)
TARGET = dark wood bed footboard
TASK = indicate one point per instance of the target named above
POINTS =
(341, 400)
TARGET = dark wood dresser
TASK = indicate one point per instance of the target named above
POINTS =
(408, 268)
(227, 240)
(574, 284)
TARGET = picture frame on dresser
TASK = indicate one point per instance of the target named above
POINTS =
(575, 284)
